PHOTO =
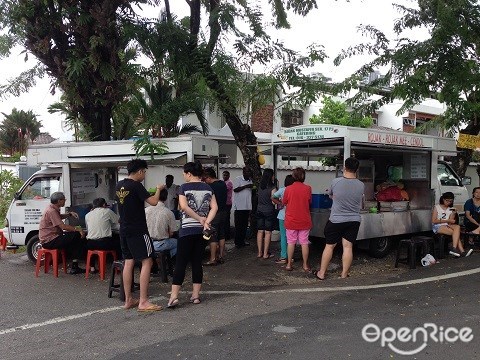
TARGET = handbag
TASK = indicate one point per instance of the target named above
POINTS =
(208, 233)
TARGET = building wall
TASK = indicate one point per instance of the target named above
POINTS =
(262, 119)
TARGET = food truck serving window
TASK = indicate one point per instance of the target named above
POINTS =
(446, 176)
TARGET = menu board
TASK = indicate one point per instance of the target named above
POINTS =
(83, 182)
(418, 167)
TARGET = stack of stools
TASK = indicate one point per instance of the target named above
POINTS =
(117, 267)
(102, 259)
(50, 255)
(441, 241)
(412, 246)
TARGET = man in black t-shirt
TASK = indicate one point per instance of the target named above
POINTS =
(219, 221)
(134, 238)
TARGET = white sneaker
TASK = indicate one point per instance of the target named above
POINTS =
(454, 253)
(469, 252)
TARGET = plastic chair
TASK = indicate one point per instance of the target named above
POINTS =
(102, 259)
(50, 255)
(117, 267)
(3, 241)
(412, 245)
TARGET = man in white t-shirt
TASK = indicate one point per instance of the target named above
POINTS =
(100, 221)
(242, 205)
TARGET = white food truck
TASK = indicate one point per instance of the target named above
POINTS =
(85, 171)
(384, 156)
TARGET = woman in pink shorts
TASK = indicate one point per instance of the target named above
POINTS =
(298, 221)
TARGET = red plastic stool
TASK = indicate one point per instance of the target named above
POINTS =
(3, 241)
(51, 255)
(102, 259)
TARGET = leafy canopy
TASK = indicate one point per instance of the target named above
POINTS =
(336, 112)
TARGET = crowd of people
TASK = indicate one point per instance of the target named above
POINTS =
(203, 204)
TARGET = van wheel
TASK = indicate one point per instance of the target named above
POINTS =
(380, 247)
(33, 246)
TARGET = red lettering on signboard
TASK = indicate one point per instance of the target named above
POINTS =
(395, 139)
(375, 138)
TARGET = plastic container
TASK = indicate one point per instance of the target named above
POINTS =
(321, 201)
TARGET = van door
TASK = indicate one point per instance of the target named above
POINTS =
(27, 207)
(449, 181)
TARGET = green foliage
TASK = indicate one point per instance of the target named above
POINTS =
(336, 112)
(72, 119)
(85, 46)
(9, 185)
(476, 156)
(13, 158)
(17, 129)
(445, 65)
(145, 146)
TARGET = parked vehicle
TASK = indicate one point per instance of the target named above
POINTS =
(85, 171)
(384, 156)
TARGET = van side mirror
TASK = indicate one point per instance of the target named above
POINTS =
(466, 180)
(16, 196)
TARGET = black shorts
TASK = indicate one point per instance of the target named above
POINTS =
(265, 221)
(137, 247)
(219, 223)
(335, 232)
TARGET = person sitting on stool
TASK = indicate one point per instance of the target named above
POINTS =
(161, 227)
(100, 221)
(55, 234)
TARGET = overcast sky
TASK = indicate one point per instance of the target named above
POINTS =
(332, 25)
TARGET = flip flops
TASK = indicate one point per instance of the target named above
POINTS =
(134, 304)
(210, 263)
(314, 274)
(195, 301)
(172, 304)
(269, 256)
(151, 308)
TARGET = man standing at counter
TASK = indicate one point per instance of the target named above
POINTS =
(344, 222)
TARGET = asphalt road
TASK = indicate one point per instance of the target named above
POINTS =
(72, 318)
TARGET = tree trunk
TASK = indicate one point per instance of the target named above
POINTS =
(243, 134)
(464, 157)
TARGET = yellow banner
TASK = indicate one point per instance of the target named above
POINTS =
(466, 141)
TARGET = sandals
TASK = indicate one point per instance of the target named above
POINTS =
(210, 263)
(195, 301)
(315, 274)
(281, 261)
(269, 256)
(172, 304)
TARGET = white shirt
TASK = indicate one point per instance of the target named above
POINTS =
(172, 195)
(100, 222)
(242, 200)
(160, 221)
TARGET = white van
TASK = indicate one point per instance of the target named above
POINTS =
(83, 172)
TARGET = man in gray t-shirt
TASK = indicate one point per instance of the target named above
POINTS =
(344, 222)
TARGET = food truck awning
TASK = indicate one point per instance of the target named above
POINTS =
(119, 160)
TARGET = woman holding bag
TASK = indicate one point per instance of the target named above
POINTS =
(198, 207)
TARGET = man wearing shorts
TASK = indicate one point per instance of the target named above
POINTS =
(344, 222)
(134, 238)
